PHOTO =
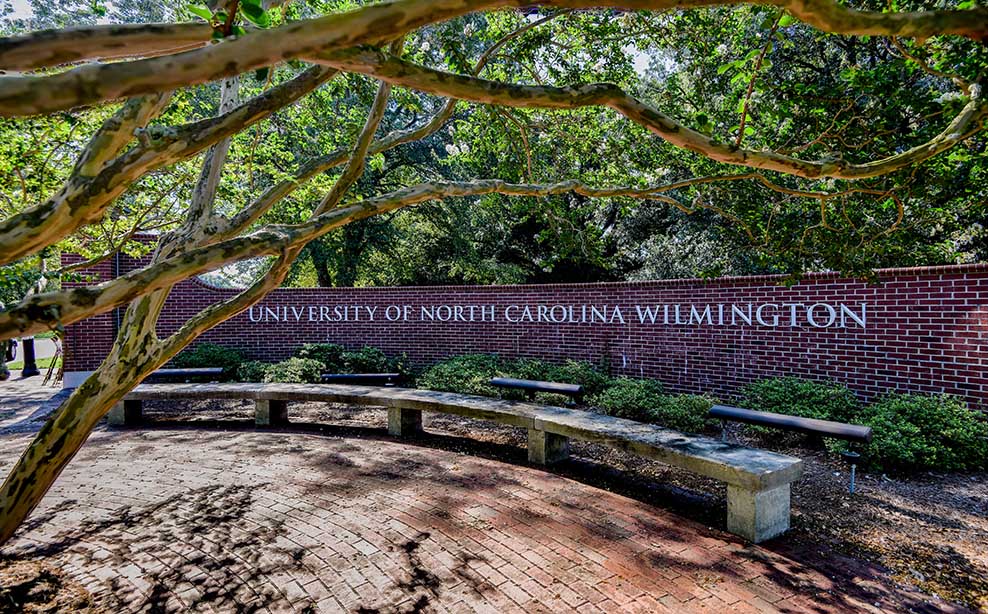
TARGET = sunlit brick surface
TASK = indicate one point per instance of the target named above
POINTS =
(189, 520)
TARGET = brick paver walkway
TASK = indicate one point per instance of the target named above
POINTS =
(204, 520)
(240, 521)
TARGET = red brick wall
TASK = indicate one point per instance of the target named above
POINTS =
(924, 328)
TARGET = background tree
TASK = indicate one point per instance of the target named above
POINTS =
(291, 123)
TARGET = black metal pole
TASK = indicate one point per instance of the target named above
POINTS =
(30, 366)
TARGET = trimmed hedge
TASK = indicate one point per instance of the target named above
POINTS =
(335, 358)
(211, 355)
(329, 355)
(800, 397)
(252, 371)
(470, 374)
(643, 400)
(466, 374)
(294, 371)
(923, 432)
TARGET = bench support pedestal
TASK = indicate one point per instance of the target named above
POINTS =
(269, 412)
(125, 413)
(758, 515)
(546, 448)
(404, 422)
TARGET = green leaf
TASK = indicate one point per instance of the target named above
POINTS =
(787, 20)
(255, 13)
(200, 11)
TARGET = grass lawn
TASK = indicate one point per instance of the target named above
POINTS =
(43, 364)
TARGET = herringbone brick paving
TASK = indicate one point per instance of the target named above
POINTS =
(225, 521)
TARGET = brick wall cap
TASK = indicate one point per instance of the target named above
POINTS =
(779, 279)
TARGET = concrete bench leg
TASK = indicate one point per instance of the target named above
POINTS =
(546, 448)
(758, 515)
(404, 422)
(125, 413)
(269, 412)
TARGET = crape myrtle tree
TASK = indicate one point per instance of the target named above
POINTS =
(430, 61)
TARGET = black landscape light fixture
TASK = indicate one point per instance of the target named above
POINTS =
(30, 365)
(852, 458)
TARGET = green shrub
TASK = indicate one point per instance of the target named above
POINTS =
(210, 355)
(799, 397)
(634, 399)
(467, 374)
(471, 373)
(294, 371)
(252, 371)
(329, 355)
(917, 432)
(642, 400)
(367, 360)
(684, 412)
(593, 379)
(526, 368)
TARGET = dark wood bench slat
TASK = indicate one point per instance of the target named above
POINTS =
(537, 386)
(811, 426)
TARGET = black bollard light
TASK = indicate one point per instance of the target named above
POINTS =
(30, 366)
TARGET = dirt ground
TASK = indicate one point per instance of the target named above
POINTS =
(929, 530)
(31, 587)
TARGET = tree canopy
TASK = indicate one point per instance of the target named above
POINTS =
(559, 140)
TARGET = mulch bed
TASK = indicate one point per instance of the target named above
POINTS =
(929, 531)
(33, 587)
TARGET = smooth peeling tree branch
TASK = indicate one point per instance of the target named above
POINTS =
(378, 23)
(42, 312)
(274, 194)
(84, 200)
(48, 48)
(117, 131)
(378, 64)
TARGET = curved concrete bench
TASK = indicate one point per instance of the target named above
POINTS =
(757, 480)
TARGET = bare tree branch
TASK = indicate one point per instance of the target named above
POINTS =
(378, 23)
(84, 200)
(400, 72)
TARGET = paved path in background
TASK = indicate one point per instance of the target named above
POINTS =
(222, 521)
(24, 402)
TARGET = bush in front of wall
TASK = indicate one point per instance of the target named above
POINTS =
(329, 355)
(252, 371)
(925, 432)
(634, 399)
(800, 397)
(210, 355)
(367, 360)
(684, 412)
(466, 374)
(593, 379)
(295, 371)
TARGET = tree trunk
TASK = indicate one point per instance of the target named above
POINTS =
(63, 435)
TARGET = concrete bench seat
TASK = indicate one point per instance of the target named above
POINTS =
(758, 481)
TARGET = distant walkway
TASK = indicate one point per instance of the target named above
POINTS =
(25, 402)
(197, 519)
